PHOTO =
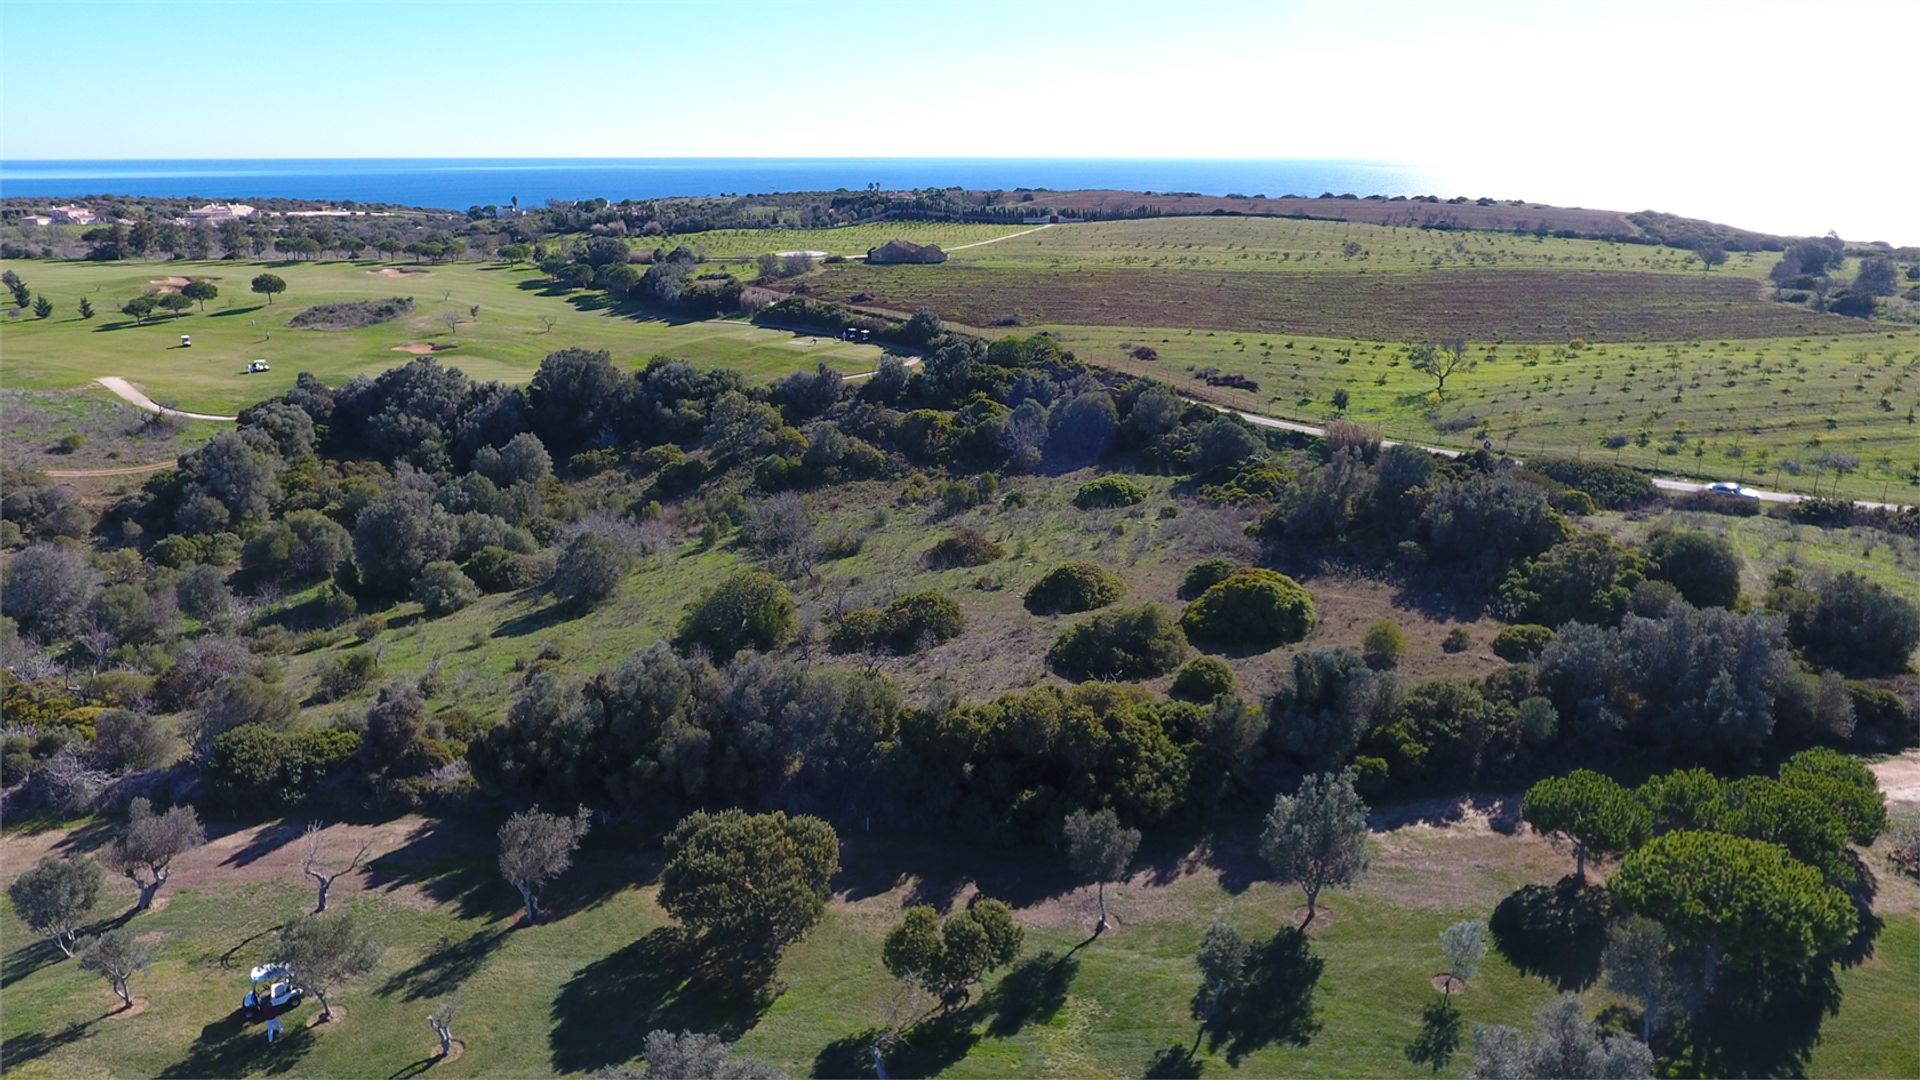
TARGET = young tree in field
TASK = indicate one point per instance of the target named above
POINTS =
(42, 307)
(1318, 836)
(55, 896)
(86, 308)
(1100, 849)
(1745, 899)
(536, 847)
(1638, 966)
(1464, 944)
(117, 957)
(749, 883)
(145, 851)
(268, 285)
(1562, 1046)
(945, 959)
(1711, 255)
(1596, 813)
(441, 1021)
(1441, 361)
(325, 952)
(314, 866)
(1222, 960)
(200, 292)
(139, 307)
(174, 302)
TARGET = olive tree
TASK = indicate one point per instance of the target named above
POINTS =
(1562, 1046)
(117, 956)
(1638, 963)
(749, 883)
(145, 850)
(1464, 944)
(1100, 849)
(1317, 837)
(946, 958)
(1222, 960)
(55, 896)
(324, 952)
(536, 847)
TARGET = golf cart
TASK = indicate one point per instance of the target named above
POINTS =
(186, 341)
(272, 993)
(256, 366)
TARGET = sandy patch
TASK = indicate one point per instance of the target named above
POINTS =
(1899, 777)
(339, 1017)
(433, 1051)
(420, 348)
(398, 271)
(175, 282)
(123, 1011)
(1448, 984)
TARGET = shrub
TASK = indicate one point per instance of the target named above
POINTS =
(1108, 492)
(1205, 575)
(750, 610)
(1075, 587)
(131, 740)
(1131, 643)
(589, 571)
(1857, 624)
(1252, 607)
(1703, 567)
(351, 314)
(347, 673)
(1520, 644)
(858, 630)
(1382, 645)
(1203, 679)
(920, 621)
(496, 569)
(1457, 640)
(253, 765)
(966, 547)
(1611, 486)
(442, 589)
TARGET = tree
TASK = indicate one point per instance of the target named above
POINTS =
(145, 850)
(589, 570)
(268, 285)
(1594, 811)
(443, 588)
(1440, 361)
(1844, 786)
(1746, 899)
(536, 847)
(1638, 966)
(397, 535)
(324, 952)
(1711, 255)
(203, 595)
(139, 307)
(749, 883)
(1703, 567)
(1222, 960)
(1464, 944)
(174, 302)
(1099, 849)
(1382, 645)
(692, 1054)
(1877, 276)
(1318, 836)
(85, 308)
(315, 867)
(1562, 1046)
(200, 292)
(49, 589)
(945, 959)
(750, 610)
(441, 1021)
(42, 307)
(117, 956)
(55, 896)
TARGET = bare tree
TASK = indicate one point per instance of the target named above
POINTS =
(144, 853)
(1440, 361)
(452, 319)
(548, 321)
(313, 866)
(441, 1021)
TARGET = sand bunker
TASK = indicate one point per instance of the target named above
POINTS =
(176, 282)
(420, 348)
(398, 271)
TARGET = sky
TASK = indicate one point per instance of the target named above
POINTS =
(1681, 104)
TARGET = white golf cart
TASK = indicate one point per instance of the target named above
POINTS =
(257, 366)
(186, 341)
(272, 993)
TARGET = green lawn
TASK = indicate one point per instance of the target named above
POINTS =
(506, 341)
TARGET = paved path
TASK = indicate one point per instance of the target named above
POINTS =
(997, 239)
(126, 391)
(911, 361)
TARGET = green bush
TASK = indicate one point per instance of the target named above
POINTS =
(346, 673)
(858, 630)
(966, 547)
(254, 766)
(1075, 587)
(496, 569)
(1252, 607)
(1108, 492)
(590, 570)
(1131, 643)
(1205, 575)
(1520, 644)
(1611, 486)
(1704, 568)
(442, 589)
(750, 610)
(905, 626)
(1382, 645)
(1203, 679)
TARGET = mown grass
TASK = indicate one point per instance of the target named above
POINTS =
(580, 993)
(506, 341)
(848, 240)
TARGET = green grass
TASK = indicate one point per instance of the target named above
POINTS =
(581, 992)
(1744, 409)
(850, 240)
(506, 342)
(1766, 543)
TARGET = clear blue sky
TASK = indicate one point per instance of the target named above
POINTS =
(1624, 95)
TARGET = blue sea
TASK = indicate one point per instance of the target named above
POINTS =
(457, 183)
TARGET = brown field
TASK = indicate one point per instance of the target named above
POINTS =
(1500, 216)
(1480, 305)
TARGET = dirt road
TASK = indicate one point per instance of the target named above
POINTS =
(127, 393)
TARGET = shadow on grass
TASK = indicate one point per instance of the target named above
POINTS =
(1759, 1024)
(1274, 1003)
(927, 1049)
(28, 959)
(1557, 932)
(228, 312)
(603, 1013)
(533, 621)
(266, 841)
(1439, 1038)
(1176, 1062)
(33, 1045)
(441, 971)
(432, 861)
(1029, 994)
(232, 1047)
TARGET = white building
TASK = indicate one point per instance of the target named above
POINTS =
(220, 212)
(71, 215)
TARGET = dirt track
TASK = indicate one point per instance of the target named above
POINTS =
(127, 393)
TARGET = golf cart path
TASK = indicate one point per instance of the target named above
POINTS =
(125, 390)
(124, 470)
(909, 362)
(997, 239)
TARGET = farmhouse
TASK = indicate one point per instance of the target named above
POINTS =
(71, 215)
(220, 212)
(906, 251)
(35, 219)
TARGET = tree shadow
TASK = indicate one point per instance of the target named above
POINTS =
(1273, 1003)
(17, 1050)
(235, 311)
(539, 619)
(267, 840)
(605, 1010)
(1029, 994)
(232, 1047)
(1176, 1062)
(1439, 1037)
(926, 1049)
(442, 970)
(429, 861)
(28, 959)
(227, 958)
(1763, 1023)
(1557, 932)
(415, 1068)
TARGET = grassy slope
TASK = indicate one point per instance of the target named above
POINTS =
(507, 342)
(580, 993)
(851, 240)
